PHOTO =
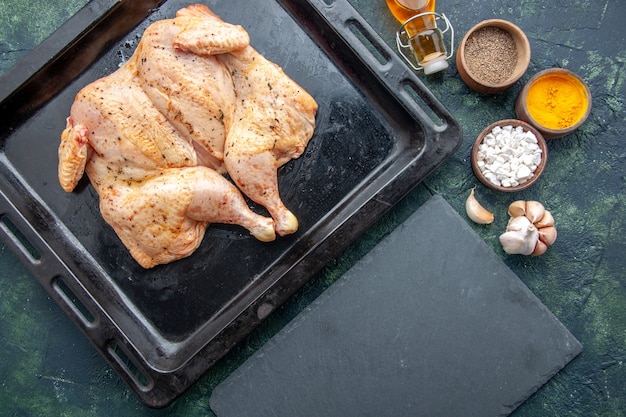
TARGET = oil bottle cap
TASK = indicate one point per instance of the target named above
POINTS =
(436, 65)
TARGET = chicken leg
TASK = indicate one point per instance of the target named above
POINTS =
(164, 218)
(273, 121)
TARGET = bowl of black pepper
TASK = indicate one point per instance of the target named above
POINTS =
(492, 56)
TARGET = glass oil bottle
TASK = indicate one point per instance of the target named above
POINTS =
(425, 39)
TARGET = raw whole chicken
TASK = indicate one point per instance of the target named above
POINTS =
(194, 101)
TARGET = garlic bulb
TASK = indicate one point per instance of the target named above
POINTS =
(476, 212)
(530, 229)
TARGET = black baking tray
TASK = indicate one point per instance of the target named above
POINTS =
(379, 132)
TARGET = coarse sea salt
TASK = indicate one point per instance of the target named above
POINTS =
(508, 156)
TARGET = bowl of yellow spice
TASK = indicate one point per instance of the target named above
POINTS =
(555, 101)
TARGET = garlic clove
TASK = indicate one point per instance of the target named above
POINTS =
(476, 212)
(546, 221)
(534, 210)
(540, 248)
(547, 235)
(518, 223)
(515, 243)
(512, 242)
(521, 236)
(517, 208)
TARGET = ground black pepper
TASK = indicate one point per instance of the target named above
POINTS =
(491, 54)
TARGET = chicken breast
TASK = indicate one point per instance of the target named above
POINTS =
(195, 100)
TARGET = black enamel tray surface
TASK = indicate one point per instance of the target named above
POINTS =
(379, 133)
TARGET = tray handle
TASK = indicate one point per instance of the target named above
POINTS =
(26, 243)
(67, 291)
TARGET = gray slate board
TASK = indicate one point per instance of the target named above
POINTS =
(430, 323)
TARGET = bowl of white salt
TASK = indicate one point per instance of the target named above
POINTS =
(492, 56)
(509, 155)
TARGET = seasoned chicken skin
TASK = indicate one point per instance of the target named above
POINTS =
(195, 100)
(272, 123)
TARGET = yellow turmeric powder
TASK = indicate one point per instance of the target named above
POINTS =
(557, 101)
